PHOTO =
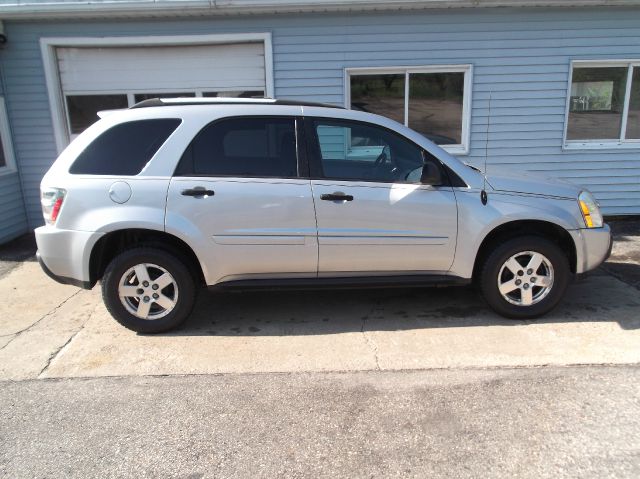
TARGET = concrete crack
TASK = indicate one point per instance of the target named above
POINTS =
(370, 342)
(58, 351)
(18, 333)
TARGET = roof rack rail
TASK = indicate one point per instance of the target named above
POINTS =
(153, 102)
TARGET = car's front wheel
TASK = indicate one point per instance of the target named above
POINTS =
(148, 290)
(525, 277)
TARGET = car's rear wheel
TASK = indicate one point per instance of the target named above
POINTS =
(525, 277)
(148, 290)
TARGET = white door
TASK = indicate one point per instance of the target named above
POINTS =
(103, 78)
(237, 187)
(374, 213)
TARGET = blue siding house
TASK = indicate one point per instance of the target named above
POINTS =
(560, 84)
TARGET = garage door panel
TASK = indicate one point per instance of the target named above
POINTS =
(94, 82)
(171, 86)
(229, 66)
(70, 70)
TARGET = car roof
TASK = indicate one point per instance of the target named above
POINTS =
(187, 101)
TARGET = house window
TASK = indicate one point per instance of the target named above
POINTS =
(7, 163)
(138, 97)
(235, 94)
(603, 105)
(434, 101)
(82, 109)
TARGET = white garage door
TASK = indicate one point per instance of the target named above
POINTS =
(95, 79)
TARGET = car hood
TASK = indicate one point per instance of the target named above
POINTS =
(534, 184)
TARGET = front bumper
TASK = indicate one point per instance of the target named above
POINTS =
(593, 247)
(64, 255)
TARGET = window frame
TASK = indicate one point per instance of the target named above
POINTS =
(301, 149)
(622, 142)
(460, 149)
(7, 143)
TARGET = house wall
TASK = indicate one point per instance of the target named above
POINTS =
(13, 220)
(522, 56)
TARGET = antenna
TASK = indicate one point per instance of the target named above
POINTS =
(483, 193)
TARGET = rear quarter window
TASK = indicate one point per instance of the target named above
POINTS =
(124, 149)
(263, 147)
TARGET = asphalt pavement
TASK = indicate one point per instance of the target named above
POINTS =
(501, 423)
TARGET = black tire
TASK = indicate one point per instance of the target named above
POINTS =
(498, 257)
(186, 290)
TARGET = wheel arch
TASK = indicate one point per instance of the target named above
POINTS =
(115, 242)
(512, 229)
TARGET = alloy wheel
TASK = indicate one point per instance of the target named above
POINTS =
(526, 278)
(148, 291)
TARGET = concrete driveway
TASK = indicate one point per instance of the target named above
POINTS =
(50, 330)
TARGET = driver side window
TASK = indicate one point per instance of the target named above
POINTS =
(361, 151)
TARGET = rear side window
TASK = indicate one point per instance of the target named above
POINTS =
(124, 149)
(243, 147)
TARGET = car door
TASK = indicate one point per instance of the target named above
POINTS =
(238, 190)
(374, 214)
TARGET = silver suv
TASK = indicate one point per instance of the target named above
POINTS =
(171, 195)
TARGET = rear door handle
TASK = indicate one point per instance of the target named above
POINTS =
(198, 191)
(337, 196)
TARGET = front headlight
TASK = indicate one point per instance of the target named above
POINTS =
(590, 210)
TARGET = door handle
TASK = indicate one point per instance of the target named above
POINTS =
(197, 191)
(337, 196)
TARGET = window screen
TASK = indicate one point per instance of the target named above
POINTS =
(125, 148)
(245, 147)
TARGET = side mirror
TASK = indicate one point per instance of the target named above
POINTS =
(431, 174)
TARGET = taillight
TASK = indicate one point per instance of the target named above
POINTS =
(51, 200)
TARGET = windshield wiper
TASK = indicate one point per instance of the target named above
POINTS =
(473, 167)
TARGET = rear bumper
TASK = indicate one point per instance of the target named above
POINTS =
(64, 255)
(593, 247)
(62, 279)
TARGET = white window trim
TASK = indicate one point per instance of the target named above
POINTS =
(54, 88)
(622, 142)
(467, 69)
(7, 144)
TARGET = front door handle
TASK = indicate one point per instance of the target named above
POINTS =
(337, 196)
(198, 191)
